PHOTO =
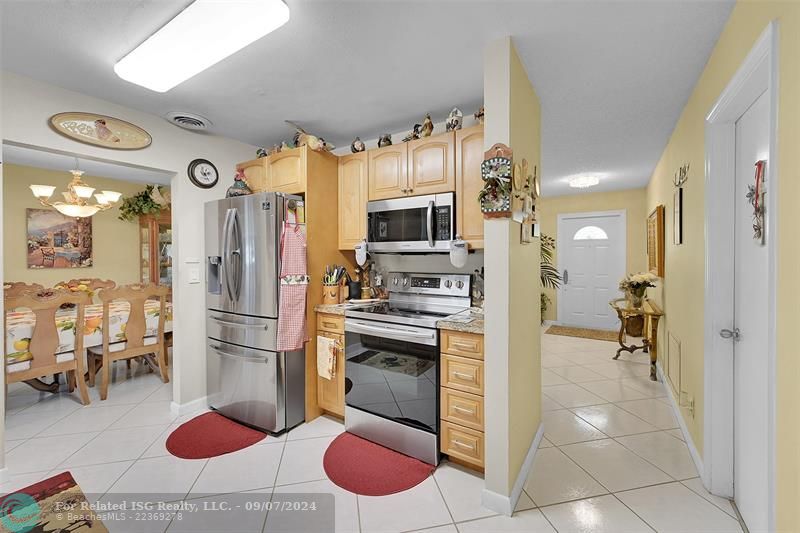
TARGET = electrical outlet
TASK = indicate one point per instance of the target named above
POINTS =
(687, 402)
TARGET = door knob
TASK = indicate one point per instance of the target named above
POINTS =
(565, 276)
(730, 334)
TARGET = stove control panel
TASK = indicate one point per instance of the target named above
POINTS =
(435, 284)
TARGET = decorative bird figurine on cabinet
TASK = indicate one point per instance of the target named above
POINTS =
(384, 140)
(479, 114)
(454, 120)
(303, 138)
(357, 145)
(427, 126)
(414, 133)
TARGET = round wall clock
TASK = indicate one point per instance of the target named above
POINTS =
(203, 173)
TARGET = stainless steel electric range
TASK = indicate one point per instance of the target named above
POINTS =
(392, 362)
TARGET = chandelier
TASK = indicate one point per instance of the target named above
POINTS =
(76, 197)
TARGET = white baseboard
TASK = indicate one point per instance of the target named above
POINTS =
(180, 409)
(547, 323)
(698, 461)
(4, 476)
(506, 504)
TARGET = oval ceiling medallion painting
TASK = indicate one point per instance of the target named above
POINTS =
(100, 130)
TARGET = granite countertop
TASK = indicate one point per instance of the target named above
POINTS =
(469, 321)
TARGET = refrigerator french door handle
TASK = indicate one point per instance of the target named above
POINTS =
(226, 255)
(237, 253)
(429, 220)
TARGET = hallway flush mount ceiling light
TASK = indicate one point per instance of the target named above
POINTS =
(200, 36)
(77, 195)
(582, 182)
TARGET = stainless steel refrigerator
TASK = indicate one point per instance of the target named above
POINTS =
(248, 379)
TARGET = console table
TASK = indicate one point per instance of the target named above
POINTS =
(651, 313)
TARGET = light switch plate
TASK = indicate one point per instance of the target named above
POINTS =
(194, 275)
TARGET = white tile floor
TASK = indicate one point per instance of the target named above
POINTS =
(612, 458)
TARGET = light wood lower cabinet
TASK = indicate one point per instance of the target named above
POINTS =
(330, 392)
(461, 398)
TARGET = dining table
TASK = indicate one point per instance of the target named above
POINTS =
(20, 324)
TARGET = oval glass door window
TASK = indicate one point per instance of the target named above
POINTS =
(590, 233)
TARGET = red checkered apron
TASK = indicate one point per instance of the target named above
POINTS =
(293, 286)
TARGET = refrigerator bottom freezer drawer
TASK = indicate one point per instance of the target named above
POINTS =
(247, 385)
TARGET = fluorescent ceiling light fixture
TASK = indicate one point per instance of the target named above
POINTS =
(582, 182)
(200, 36)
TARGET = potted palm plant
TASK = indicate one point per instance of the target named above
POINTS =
(548, 274)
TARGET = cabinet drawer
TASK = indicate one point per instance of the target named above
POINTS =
(462, 443)
(460, 343)
(462, 373)
(331, 323)
(462, 408)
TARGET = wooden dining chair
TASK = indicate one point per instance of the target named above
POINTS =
(44, 345)
(12, 289)
(137, 340)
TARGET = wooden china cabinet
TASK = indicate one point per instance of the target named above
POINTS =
(155, 248)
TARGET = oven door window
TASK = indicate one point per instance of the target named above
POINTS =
(393, 379)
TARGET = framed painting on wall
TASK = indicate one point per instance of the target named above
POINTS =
(58, 241)
(655, 241)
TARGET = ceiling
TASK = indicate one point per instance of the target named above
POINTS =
(34, 157)
(612, 76)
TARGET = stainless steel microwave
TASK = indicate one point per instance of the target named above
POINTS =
(412, 224)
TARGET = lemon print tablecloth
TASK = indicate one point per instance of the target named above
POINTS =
(19, 329)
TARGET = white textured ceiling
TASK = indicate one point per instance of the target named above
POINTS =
(612, 76)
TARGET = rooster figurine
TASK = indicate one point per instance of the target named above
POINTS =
(384, 140)
(427, 126)
(302, 138)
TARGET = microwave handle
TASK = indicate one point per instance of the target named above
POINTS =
(431, 206)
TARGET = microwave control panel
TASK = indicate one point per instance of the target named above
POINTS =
(443, 218)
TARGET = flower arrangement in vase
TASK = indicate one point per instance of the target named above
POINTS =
(635, 286)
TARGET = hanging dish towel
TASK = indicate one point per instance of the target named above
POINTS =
(326, 357)
(294, 284)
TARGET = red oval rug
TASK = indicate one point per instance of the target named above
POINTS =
(209, 435)
(369, 469)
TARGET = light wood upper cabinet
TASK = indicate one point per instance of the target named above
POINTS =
(353, 192)
(255, 173)
(431, 163)
(469, 156)
(286, 171)
(388, 172)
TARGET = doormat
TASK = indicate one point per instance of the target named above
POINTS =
(210, 435)
(369, 469)
(41, 507)
(402, 364)
(583, 333)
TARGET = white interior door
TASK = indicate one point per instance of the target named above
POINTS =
(751, 382)
(591, 258)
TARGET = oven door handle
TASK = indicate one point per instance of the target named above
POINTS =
(431, 206)
(422, 337)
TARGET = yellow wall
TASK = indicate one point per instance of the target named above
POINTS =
(632, 200)
(512, 325)
(684, 274)
(115, 242)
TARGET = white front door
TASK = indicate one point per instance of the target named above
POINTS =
(751, 383)
(591, 258)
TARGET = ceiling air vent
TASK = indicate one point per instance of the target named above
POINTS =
(188, 121)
